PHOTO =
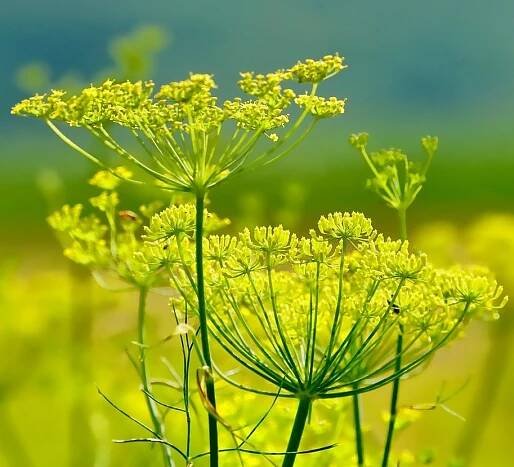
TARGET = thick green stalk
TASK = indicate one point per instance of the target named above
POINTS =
(359, 445)
(393, 410)
(143, 372)
(204, 330)
(296, 433)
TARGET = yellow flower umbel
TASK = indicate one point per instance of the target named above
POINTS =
(317, 317)
(328, 306)
(189, 142)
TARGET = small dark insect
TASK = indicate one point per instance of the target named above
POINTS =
(394, 307)
(165, 247)
(128, 215)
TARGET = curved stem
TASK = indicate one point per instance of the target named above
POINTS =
(302, 413)
(204, 330)
(359, 446)
(143, 371)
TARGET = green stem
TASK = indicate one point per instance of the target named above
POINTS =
(204, 331)
(393, 410)
(402, 214)
(358, 430)
(143, 371)
(296, 433)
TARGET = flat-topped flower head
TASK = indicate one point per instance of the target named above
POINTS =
(242, 261)
(271, 241)
(195, 91)
(175, 221)
(314, 249)
(219, 247)
(314, 71)
(474, 287)
(115, 244)
(187, 141)
(263, 85)
(254, 115)
(320, 107)
(391, 259)
(94, 105)
(83, 237)
(160, 257)
(179, 221)
(353, 227)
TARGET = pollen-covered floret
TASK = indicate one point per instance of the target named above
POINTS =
(195, 91)
(473, 287)
(314, 71)
(270, 240)
(314, 249)
(52, 105)
(254, 115)
(392, 259)
(83, 237)
(219, 247)
(321, 107)
(180, 221)
(175, 221)
(259, 85)
(353, 226)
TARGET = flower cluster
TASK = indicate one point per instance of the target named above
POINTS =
(83, 236)
(395, 178)
(316, 317)
(255, 115)
(352, 227)
(314, 71)
(321, 107)
(188, 142)
(195, 91)
(114, 241)
(179, 221)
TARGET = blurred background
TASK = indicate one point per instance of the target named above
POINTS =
(441, 68)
